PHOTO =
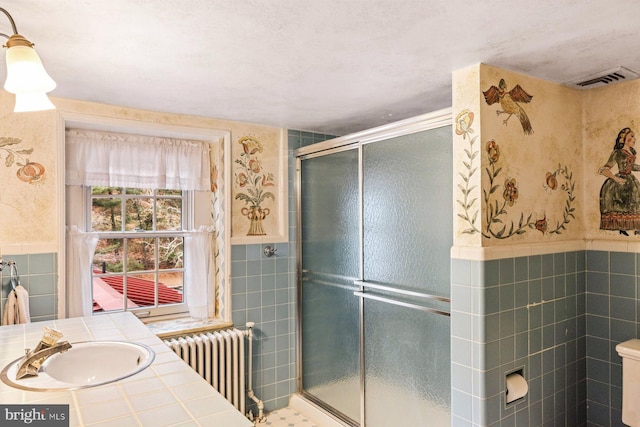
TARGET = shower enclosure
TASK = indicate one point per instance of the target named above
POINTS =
(375, 229)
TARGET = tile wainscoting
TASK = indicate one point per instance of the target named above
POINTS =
(557, 316)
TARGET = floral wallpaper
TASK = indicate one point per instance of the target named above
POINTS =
(13, 153)
(253, 182)
(259, 182)
(29, 203)
(514, 185)
(502, 192)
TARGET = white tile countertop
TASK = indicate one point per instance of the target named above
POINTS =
(168, 393)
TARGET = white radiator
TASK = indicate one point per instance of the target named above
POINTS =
(219, 358)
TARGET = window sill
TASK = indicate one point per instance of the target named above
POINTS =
(169, 328)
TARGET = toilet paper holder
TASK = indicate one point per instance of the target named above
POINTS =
(516, 387)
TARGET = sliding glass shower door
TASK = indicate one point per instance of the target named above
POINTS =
(376, 231)
(330, 314)
(407, 229)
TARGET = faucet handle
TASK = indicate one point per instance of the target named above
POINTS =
(49, 338)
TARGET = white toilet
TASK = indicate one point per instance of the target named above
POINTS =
(630, 353)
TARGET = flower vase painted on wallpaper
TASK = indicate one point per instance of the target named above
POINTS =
(253, 181)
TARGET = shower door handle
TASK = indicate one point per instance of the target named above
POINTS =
(395, 290)
(402, 303)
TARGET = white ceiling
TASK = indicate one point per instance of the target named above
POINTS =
(332, 66)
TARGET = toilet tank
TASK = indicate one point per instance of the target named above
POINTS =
(630, 353)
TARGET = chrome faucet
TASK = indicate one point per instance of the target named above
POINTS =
(47, 347)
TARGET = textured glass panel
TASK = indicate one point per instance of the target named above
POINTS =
(330, 219)
(408, 233)
(330, 346)
(330, 257)
(408, 224)
(407, 366)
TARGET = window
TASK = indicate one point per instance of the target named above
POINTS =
(138, 260)
(145, 220)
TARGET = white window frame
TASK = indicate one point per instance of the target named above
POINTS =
(187, 222)
(69, 119)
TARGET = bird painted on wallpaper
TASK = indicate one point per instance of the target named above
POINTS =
(509, 103)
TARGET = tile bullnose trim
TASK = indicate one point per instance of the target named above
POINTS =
(613, 246)
(512, 251)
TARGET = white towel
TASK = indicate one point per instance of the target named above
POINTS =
(9, 317)
(16, 310)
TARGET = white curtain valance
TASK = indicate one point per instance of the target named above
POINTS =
(108, 159)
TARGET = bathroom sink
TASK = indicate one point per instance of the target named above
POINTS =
(85, 364)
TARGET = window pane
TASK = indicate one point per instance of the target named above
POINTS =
(141, 289)
(106, 214)
(170, 193)
(139, 214)
(108, 256)
(140, 191)
(107, 293)
(170, 287)
(168, 214)
(171, 251)
(106, 190)
(141, 254)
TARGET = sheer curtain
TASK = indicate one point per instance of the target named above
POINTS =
(96, 158)
(80, 249)
(200, 269)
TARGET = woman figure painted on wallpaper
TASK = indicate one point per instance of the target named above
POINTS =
(620, 193)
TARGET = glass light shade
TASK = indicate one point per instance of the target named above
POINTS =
(32, 102)
(25, 73)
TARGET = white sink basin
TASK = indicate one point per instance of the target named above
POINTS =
(85, 364)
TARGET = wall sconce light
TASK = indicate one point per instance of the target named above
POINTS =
(26, 77)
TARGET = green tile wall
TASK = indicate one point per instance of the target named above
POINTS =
(558, 316)
(39, 275)
(612, 316)
(519, 313)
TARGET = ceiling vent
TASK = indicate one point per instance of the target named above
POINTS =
(608, 77)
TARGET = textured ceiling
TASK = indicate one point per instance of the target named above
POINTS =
(332, 66)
